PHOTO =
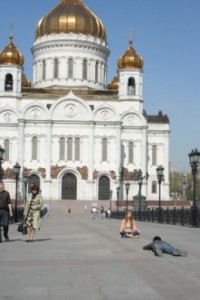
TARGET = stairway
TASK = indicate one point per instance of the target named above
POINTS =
(77, 207)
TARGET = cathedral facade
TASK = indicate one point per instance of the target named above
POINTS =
(72, 133)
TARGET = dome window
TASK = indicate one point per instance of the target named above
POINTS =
(85, 69)
(9, 82)
(70, 68)
(43, 70)
(55, 68)
(96, 71)
(131, 86)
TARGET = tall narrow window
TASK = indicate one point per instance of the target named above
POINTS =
(130, 152)
(34, 148)
(104, 149)
(154, 155)
(69, 148)
(131, 86)
(154, 187)
(43, 70)
(7, 149)
(55, 68)
(96, 71)
(85, 69)
(9, 82)
(77, 149)
(62, 148)
(70, 68)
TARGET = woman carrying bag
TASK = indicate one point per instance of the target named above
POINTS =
(32, 212)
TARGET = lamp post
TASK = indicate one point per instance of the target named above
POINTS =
(194, 157)
(110, 195)
(160, 176)
(1, 161)
(140, 182)
(16, 169)
(127, 184)
(25, 181)
(118, 191)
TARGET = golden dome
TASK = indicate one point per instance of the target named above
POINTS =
(25, 81)
(130, 59)
(114, 84)
(11, 55)
(71, 16)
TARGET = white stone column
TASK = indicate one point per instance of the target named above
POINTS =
(118, 149)
(20, 153)
(90, 180)
(49, 152)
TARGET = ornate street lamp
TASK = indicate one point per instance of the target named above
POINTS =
(25, 181)
(110, 196)
(127, 184)
(194, 157)
(140, 182)
(160, 176)
(1, 161)
(118, 191)
(16, 169)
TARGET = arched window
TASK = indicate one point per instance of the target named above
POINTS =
(104, 149)
(85, 69)
(69, 148)
(9, 82)
(154, 155)
(43, 70)
(55, 68)
(154, 187)
(77, 149)
(62, 148)
(34, 148)
(7, 149)
(130, 152)
(70, 68)
(131, 86)
(96, 71)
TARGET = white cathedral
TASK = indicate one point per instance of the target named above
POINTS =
(71, 132)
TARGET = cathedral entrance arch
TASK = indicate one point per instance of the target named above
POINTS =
(104, 188)
(33, 179)
(69, 187)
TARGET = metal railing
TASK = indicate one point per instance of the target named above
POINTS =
(174, 216)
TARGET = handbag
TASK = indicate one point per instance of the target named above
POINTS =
(21, 228)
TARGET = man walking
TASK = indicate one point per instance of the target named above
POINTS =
(5, 211)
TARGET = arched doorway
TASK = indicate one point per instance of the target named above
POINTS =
(33, 179)
(69, 187)
(104, 188)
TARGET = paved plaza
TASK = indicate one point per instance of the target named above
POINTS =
(76, 258)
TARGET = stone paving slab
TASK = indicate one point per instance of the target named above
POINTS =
(77, 258)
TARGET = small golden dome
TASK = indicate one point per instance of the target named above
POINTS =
(114, 84)
(130, 59)
(25, 81)
(11, 55)
(71, 16)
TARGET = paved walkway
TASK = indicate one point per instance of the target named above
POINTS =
(76, 259)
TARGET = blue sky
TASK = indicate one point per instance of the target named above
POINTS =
(165, 33)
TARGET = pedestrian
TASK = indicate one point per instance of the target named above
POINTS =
(32, 217)
(93, 211)
(69, 211)
(108, 213)
(5, 211)
(158, 246)
(102, 213)
(128, 227)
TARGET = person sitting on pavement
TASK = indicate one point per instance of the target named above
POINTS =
(128, 226)
(158, 246)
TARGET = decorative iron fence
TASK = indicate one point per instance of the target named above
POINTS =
(175, 216)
